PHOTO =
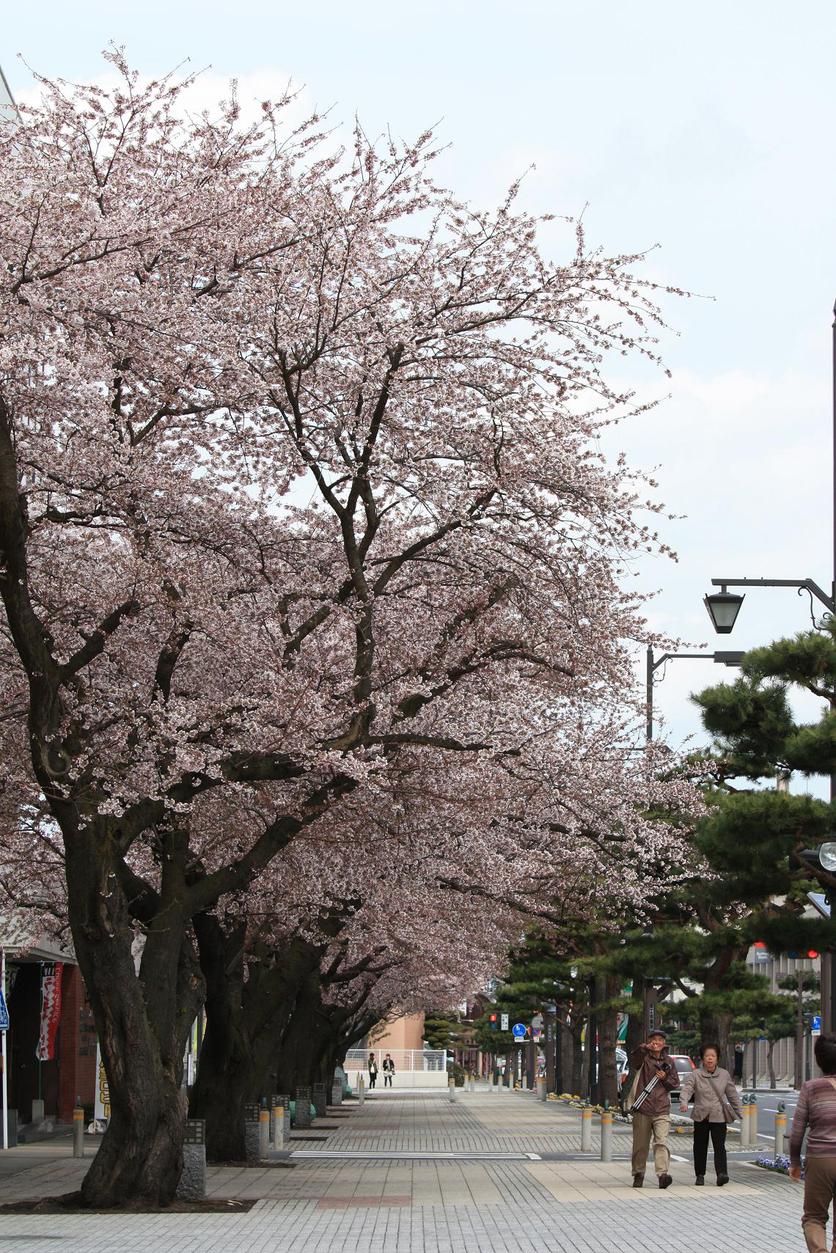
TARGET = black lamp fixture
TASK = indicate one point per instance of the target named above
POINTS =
(723, 608)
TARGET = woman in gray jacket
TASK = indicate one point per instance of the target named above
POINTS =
(716, 1104)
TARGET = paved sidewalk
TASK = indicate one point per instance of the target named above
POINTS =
(419, 1174)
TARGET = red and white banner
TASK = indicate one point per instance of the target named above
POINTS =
(51, 973)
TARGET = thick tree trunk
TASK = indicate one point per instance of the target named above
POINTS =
(246, 1020)
(715, 1028)
(302, 1049)
(142, 1021)
(607, 1032)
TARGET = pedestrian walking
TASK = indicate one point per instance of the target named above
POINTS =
(815, 1114)
(739, 1052)
(650, 1104)
(716, 1104)
(372, 1071)
(388, 1070)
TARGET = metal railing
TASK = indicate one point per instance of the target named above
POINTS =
(406, 1060)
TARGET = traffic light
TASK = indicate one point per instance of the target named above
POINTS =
(493, 1019)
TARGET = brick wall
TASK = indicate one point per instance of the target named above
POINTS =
(77, 1046)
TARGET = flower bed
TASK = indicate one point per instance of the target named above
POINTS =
(780, 1164)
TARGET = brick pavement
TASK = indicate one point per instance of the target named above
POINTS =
(432, 1205)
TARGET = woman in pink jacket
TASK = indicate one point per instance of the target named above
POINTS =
(815, 1115)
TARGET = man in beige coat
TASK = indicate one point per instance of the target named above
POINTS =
(716, 1104)
(650, 1106)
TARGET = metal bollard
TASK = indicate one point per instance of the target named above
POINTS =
(780, 1129)
(542, 1088)
(361, 1090)
(277, 1126)
(451, 1089)
(264, 1133)
(606, 1135)
(78, 1132)
(744, 1121)
(586, 1130)
(747, 1123)
(753, 1120)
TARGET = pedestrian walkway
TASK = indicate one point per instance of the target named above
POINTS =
(421, 1174)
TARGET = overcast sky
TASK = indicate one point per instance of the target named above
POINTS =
(704, 129)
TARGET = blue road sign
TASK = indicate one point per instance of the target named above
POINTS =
(815, 1025)
(4, 1013)
(520, 1030)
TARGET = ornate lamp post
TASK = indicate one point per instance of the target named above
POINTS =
(653, 664)
(723, 613)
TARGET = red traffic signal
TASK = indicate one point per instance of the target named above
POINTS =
(811, 953)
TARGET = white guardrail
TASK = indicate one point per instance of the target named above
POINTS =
(414, 1068)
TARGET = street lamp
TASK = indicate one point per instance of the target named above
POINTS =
(653, 664)
(723, 608)
(720, 612)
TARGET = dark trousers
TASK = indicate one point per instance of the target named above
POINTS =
(718, 1140)
(372, 1078)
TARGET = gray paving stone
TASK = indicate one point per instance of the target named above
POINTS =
(466, 1205)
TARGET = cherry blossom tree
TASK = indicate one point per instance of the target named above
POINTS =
(299, 486)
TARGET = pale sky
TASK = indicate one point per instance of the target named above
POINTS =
(705, 129)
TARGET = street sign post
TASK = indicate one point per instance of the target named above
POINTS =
(520, 1030)
(504, 1022)
(815, 1025)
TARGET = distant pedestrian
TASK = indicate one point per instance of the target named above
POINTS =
(716, 1104)
(388, 1070)
(650, 1104)
(815, 1114)
(739, 1051)
(372, 1071)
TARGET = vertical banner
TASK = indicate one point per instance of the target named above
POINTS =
(51, 973)
(101, 1111)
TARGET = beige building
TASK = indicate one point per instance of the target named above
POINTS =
(403, 1039)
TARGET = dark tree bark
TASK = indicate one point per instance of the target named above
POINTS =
(607, 1032)
(246, 1020)
(715, 1028)
(142, 1023)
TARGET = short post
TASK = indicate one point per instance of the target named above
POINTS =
(252, 1146)
(606, 1134)
(586, 1129)
(361, 1090)
(263, 1132)
(780, 1129)
(78, 1132)
(749, 1121)
(192, 1185)
(303, 1108)
(336, 1092)
(753, 1120)
(277, 1107)
(451, 1088)
(319, 1096)
(542, 1088)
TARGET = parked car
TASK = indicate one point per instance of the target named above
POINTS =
(683, 1064)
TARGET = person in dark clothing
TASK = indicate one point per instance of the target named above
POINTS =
(372, 1071)
(650, 1104)
(388, 1070)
